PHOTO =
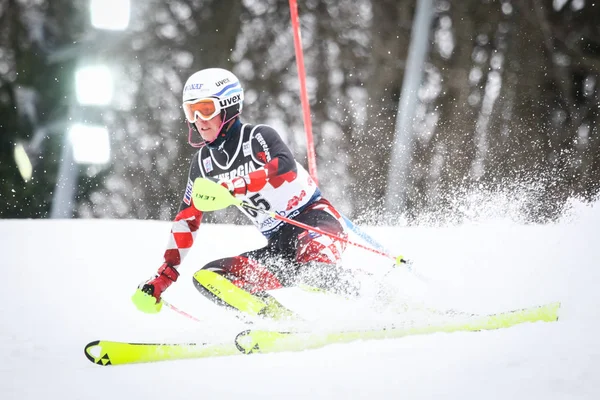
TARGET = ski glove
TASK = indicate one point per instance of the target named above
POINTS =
(147, 296)
(238, 186)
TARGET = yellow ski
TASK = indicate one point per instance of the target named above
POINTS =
(261, 341)
(104, 352)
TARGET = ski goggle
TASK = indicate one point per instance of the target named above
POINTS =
(205, 109)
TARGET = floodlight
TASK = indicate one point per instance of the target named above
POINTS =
(91, 144)
(23, 162)
(94, 85)
(110, 14)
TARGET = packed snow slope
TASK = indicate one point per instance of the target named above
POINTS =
(66, 283)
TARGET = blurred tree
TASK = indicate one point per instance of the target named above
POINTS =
(166, 43)
(371, 146)
(542, 125)
(340, 56)
(571, 39)
(29, 32)
(444, 152)
(515, 107)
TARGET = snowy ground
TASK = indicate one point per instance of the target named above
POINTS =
(67, 283)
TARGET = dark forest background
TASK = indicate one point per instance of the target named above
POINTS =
(509, 105)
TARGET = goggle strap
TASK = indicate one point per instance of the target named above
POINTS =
(225, 122)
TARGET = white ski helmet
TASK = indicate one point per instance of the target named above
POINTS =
(208, 93)
(211, 92)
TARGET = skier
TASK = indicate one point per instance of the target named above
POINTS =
(255, 165)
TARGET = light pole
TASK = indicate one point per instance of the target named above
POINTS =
(84, 143)
(397, 183)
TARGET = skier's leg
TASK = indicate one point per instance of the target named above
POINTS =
(240, 283)
(245, 272)
(320, 256)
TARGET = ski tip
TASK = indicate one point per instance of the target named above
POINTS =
(87, 348)
(93, 352)
(244, 342)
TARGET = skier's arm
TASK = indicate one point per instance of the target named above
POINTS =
(183, 231)
(186, 223)
(279, 167)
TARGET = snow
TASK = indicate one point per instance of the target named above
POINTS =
(68, 282)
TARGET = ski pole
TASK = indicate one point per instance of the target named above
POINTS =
(398, 259)
(210, 196)
(365, 236)
(180, 312)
